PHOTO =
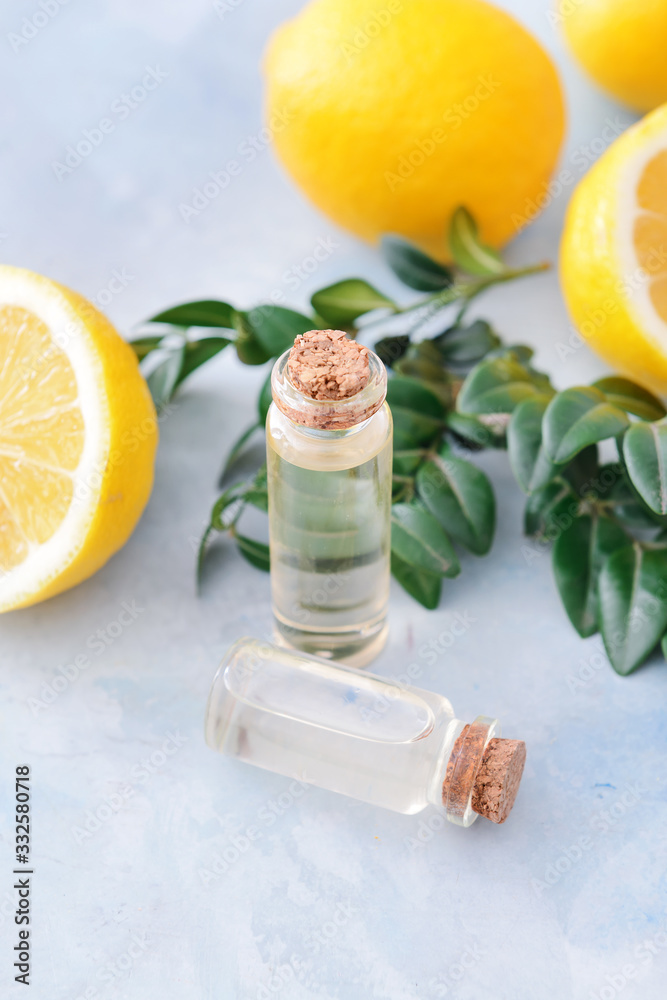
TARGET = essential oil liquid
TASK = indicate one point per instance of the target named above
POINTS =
(329, 507)
(379, 741)
(332, 727)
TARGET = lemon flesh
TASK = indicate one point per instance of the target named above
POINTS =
(78, 433)
(613, 259)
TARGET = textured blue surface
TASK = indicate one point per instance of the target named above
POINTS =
(167, 895)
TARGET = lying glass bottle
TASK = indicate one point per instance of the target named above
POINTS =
(358, 734)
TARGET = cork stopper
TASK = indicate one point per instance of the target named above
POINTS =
(482, 775)
(328, 382)
(498, 778)
(326, 364)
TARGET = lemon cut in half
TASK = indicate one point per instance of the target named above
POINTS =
(78, 433)
(613, 257)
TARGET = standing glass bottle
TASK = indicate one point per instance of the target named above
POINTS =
(329, 449)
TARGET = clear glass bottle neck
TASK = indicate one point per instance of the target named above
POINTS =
(454, 787)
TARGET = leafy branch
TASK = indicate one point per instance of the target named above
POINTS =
(607, 522)
(461, 389)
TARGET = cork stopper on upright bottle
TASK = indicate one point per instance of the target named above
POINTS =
(326, 364)
(483, 775)
(327, 381)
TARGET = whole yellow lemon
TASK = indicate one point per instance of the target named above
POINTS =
(614, 254)
(391, 113)
(622, 44)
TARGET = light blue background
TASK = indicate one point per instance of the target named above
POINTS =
(334, 899)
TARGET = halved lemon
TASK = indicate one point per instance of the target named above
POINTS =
(613, 259)
(78, 433)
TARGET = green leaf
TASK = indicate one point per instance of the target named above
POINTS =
(426, 371)
(340, 304)
(415, 269)
(577, 418)
(411, 394)
(207, 312)
(142, 346)
(198, 352)
(265, 399)
(578, 555)
(633, 609)
(163, 379)
(259, 498)
(391, 349)
(257, 553)
(236, 450)
(498, 386)
(600, 482)
(231, 497)
(548, 510)
(631, 397)
(412, 429)
(628, 506)
(518, 352)
(276, 328)
(425, 587)
(425, 362)
(201, 555)
(471, 433)
(248, 347)
(228, 507)
(471, 255)
(464, 345)
(530, 465)
(426, 350)
(583, 473)
(417, 412)
(645, 454)
(461, 499)
(418, 539)
(406, 461)
(226, 512)
(257, 492)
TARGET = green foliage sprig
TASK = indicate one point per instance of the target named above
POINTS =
(462, 389)
(607, 522)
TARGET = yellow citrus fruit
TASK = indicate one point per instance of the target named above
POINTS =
(621, 44)
(78, 433)
(391, 113)
(613, 258)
